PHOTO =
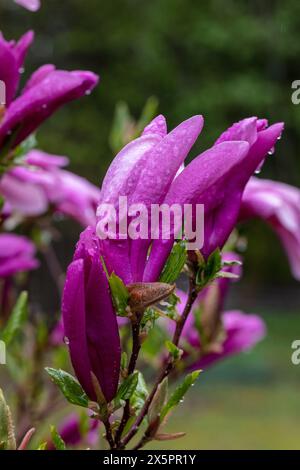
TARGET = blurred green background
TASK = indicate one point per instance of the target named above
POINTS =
(226, 60)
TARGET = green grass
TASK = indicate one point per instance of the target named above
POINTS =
(247, 402)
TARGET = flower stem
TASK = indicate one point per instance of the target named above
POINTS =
(108, 434)
(136, 346)
(166, 370)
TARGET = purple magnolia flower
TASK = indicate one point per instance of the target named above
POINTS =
(71, 433)
(242, 332)
(31, 5)
(210, 334)
(279, 205)
(31, 189)
(143, 171)
(17, 254)
(44, 93)
(149, 171)
(89, 319)
(217, 179)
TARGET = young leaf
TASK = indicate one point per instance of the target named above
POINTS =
(159, 401)
(179, 393)
(124, 361)
(140, 394)
(27, 145)
(127, 387)
(174, 264)
(119, 293)
(16, 319)
(148, 113)
(210, 270)
(69, 386)
(42, 446)
(213, 265)
(58, 442)
(175, 352)
(7, 436)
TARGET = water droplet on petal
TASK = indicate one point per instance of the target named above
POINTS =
(271, 151)
(21, 70)
(66, 340)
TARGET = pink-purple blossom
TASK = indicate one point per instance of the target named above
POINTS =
(71, 433)
(90, 322)
(17, 254)
(41, 183)
(31, 5)
(211, 334)
(278, 204)
(46, 90)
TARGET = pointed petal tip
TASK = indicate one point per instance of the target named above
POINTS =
(157, 126)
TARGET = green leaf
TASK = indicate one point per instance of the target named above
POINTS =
(175, 352)
(127, 387)
(179, 393)
(124, 360)
(210, 270)
(42, 446)
(148, 113)
(119, 293)
(175, 263)
(122, 126)
(58, 442)
(7, 436)
(69, 386)
(213, 265)
(25, 146)
(16, 319)
(140, 394)
(159, 401)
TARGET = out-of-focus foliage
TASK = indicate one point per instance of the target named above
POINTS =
(224, 59)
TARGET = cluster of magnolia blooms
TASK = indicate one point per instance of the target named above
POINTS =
(149, 170)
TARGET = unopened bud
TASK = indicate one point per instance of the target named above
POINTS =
(142, 295)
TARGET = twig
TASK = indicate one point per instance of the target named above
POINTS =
(136, 346)
(108, 434)
(167, 369)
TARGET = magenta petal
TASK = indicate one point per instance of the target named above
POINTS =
(44, 160)
(31, 5)
(17, 254)
(158, 170)
(39, 75)
(243, 130)
(243, 331)
(123, 172)
(211, 180)
(160, 165)
(102, 331)
(23, 197)
(28, 111)
(157, 126)
(74, 318)
(12, 56)
(89, 318)
(279, 205)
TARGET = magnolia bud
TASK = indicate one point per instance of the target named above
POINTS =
(142, 295)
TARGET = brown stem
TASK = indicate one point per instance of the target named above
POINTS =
(108, 434)
(166, 370)
(136, 346)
